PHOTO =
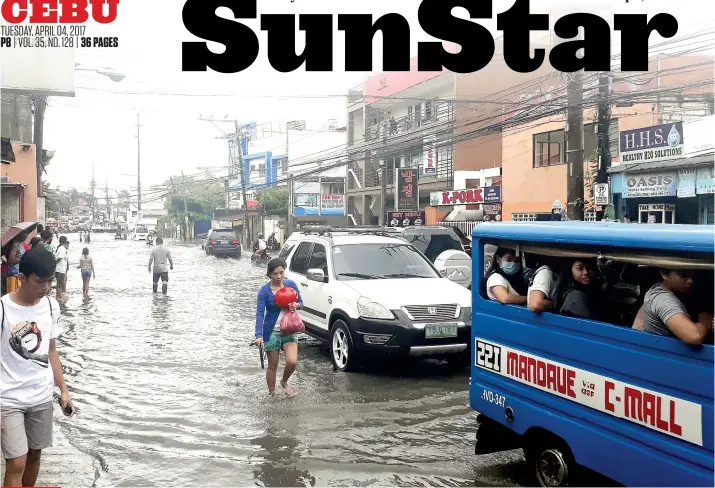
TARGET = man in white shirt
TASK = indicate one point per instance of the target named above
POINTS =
(29, 368)
(541, 288)
(62, 267)
(161, 258)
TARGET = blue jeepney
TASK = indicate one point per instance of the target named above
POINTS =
(576, 393)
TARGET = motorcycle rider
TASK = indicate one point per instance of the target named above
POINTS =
(260, 246)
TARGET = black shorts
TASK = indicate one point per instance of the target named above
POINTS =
(164, 277)
(61, 279)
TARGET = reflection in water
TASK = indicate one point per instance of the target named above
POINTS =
(279, 453)
(169, 393)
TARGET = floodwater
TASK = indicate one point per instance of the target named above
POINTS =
(169, 393)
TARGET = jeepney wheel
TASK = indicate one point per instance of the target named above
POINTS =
(552, 466)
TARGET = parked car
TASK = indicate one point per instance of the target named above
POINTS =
(443, 247)
(367, 292)
(222, 242)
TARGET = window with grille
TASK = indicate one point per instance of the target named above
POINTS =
(523, 217)
(549, 149)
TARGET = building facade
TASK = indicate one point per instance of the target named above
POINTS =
(398, 122)
(19, 188)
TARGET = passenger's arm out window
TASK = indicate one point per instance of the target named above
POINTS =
(670, 312)
(539, 291)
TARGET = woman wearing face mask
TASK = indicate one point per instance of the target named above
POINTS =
(579, 293)
(505, 282)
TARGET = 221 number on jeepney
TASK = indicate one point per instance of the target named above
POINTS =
(488, 356)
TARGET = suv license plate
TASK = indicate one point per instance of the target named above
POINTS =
(440, 331)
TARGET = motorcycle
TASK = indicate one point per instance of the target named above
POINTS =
(273, 243)
(259, 257)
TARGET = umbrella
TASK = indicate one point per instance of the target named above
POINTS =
(13, 231)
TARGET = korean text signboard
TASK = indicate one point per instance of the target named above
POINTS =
(405, 219)
(655, 143)
(662, 413)
(407, 192)
(636, 185)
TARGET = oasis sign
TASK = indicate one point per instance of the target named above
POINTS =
(650, 185)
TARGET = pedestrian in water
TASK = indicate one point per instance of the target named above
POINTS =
(268, 319)
(87, 266)
(32, 320)
(46, 237)
(62, 267)
(14, 255)
(161, 257)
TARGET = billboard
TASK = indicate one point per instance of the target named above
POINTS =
(37, 70)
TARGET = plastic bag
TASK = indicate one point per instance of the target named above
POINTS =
(291, 323)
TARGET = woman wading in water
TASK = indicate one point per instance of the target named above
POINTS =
(87, 266)
(268, 319)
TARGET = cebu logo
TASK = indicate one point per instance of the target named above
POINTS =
(59, 11)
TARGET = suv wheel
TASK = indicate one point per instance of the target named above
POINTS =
(341, 347)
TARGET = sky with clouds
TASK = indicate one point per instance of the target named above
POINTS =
(97, 126)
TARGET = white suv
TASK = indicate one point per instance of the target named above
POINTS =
(369, 292)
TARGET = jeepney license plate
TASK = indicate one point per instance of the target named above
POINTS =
(440, 331)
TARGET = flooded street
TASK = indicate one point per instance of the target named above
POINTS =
(169, 393)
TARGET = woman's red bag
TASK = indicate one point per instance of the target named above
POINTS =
(291, 323)
(285, 296)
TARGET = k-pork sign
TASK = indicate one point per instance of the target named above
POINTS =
(490, 194)
(655, 143)
(657, 411)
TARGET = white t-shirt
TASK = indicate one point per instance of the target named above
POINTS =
(498, 280)
(262, 245)
(543, 282)
(24, 382)
(61, 254)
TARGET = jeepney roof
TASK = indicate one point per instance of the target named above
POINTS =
(666, 237)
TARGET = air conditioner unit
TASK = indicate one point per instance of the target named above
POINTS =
(4, 179)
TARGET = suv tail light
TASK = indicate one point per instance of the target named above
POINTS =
(212, 241)
(236, 241)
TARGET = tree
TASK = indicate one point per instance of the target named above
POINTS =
(274, 201)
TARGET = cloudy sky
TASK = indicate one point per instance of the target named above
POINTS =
(98, 126)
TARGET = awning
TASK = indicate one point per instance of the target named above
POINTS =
(459, 215)
(667, 164)
(8, 155)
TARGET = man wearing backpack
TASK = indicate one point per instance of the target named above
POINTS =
(29, 368)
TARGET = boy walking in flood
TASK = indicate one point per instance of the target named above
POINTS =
(161, 258)
(30, 368)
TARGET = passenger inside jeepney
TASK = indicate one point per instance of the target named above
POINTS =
(578, 291)
(676, 307)
(505, 281)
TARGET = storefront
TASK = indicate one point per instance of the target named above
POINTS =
(679, 191)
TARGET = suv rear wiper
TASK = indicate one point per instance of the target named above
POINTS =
(361, 275)
(404, 275)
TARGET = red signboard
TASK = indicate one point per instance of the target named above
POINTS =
(461, 197)
(407, 192)
(390, 83)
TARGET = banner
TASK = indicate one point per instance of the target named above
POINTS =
(655, 143)
(492, 212)
(407, 191)
(637, 185)
(429, 155)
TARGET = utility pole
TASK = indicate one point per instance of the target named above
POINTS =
(92, 186)
(239, 150)
(186, 207)
(604, 139)
(139, 168)
(574, 147)
(171, 189)
(291, 205)
(106, 197)
(383, 192)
